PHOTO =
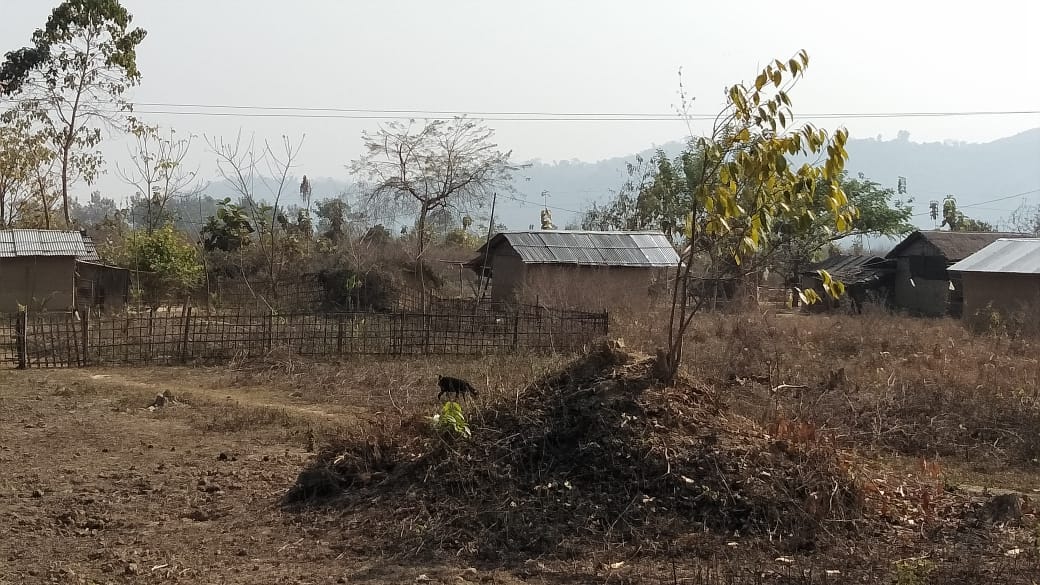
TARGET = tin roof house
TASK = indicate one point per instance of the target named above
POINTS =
(578, 269)
(1003, 277)
(40, 270)
(922, 285)
(866, 279)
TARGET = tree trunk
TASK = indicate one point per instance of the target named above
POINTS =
(668, 362)
(65, 186)
(46, 206)
(423, 211)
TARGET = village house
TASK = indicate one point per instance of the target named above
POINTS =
(1003, 277)
(56, 270)
(922, 284)
(867, 279)
(576, 269)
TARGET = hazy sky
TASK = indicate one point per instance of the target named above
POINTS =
(570, 56)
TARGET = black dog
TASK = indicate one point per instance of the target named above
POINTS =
(454, 386)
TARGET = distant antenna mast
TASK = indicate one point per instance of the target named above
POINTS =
(901, 186)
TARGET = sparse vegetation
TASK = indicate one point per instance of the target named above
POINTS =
(901, 430)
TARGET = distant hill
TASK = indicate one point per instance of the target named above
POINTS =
(973, 172)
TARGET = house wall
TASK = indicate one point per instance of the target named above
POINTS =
(38, 282)
(571, 286)
(507, 275)
(1006, 293)
(926, 296)
(592, 288)
(102, 287)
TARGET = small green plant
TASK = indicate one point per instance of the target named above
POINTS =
(450, 420)
(913, 571)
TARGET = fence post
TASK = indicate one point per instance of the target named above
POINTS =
(85, 319)
(21, 324)
(427, 324)
(269, 331)
(339, 335)
(516, 328)
(187, 332)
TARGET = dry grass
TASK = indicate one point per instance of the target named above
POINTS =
(912, 386)
(389, 385)
(878, 381)
(878, 392)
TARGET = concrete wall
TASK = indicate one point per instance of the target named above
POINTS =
(39, 282)
(1007, 293)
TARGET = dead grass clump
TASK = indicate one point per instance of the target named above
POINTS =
(236, 418)
(594, 454)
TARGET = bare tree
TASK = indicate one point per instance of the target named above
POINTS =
(1025, 219)
(254, 173)
(439, 165)
(157, 171)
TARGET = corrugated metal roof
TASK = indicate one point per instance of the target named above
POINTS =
(587, 248)
(92, 253)
(852, 269)
(21, 243)
(1007, 255)
(953, 245)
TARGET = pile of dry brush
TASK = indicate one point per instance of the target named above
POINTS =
(594, 455)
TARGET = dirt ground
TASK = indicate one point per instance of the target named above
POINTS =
(97, 488)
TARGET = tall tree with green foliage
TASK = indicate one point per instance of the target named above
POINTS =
(70, 82)
(656, 196)
(747, 186)
(879, 213)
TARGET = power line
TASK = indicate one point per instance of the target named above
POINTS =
(624, 115)
(988, 201)
(237, 110)
(549, 117)
(1023, 193)
(384, 111)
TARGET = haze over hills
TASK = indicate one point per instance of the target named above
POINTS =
(975, 173)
